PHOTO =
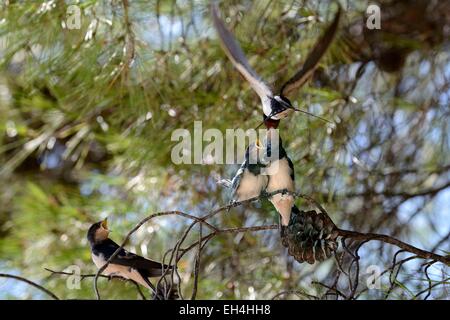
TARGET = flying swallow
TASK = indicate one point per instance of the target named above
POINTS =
(125, 264)
(274, 106)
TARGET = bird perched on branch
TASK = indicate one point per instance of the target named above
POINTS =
(280, 173)
(309, 236)
(266, 168)
(249, 181)
(274, 106)
(125, 264)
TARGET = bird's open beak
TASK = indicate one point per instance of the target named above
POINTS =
(105, 224)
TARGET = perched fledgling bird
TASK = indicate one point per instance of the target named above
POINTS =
(249, 181)
(125, 264)
(280, 172)
(266, 168)
(274, 106)
(309, 236)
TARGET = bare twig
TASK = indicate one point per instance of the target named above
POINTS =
(402, 245)
(197, 265)
(31, 283)
(337, 292)
(298, 293)
(177, 252)
(444, 281)
(92, 275)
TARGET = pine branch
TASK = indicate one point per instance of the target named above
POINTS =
(391, 240)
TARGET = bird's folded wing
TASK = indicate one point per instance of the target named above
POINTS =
(227, 183)
(237, 57)
(237, 178)
(137, 262)
(312, 61)
(291, 166)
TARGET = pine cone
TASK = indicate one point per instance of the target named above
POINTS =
(310, 236)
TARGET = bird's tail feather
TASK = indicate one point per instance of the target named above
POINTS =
(157, 272)
(310, 236)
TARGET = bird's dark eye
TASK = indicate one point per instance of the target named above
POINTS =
(286, 103)
(286, 100)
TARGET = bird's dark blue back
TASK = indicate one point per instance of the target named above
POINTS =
(106, 248)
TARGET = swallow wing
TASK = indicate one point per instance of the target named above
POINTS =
(152, 268)
(291, 166)
(237, 57)
(128, 259)
(312, 61)
(227, 183)
(237, 178)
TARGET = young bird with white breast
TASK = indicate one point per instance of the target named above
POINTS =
(249, 181)
(125, 264)
(280, 173)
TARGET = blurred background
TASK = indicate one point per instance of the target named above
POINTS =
(86, 116)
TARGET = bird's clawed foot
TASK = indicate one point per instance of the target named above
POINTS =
(264, 194)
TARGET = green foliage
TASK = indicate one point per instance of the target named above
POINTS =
(86, 118)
